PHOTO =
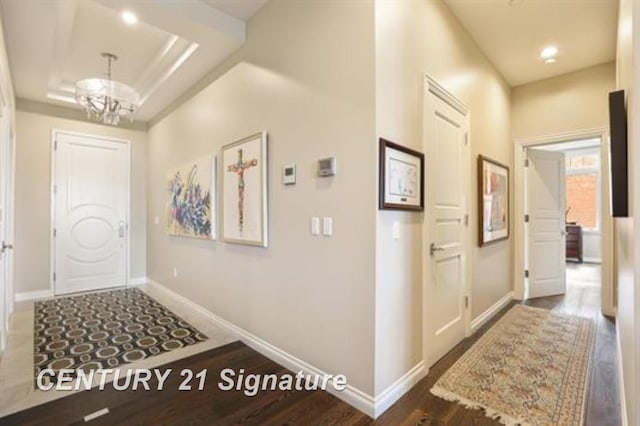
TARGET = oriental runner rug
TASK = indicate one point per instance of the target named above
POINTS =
(530, 368)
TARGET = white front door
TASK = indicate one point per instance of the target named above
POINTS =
(91, 192)
(446, 234)
(545, 187)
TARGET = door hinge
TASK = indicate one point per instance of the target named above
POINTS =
(466, 138)
(55, 144)
(55, 232)
(526, 218)
(466, 302)
(54, 276)
(55, 189)
(526, 162)
(526, 273)
(466, 220)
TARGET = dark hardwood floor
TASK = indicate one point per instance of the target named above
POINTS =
(417, 407)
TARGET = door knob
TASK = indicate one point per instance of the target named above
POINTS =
(434, 248)
(121, 229)
(6, 246)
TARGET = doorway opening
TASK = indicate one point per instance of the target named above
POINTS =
(564, 178)
(582, 215)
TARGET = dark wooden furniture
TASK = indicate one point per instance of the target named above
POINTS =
(574, 243)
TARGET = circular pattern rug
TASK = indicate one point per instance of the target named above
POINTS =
(105, 330)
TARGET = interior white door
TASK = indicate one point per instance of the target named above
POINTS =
(446, 237)
(91, 210)
(545, 187)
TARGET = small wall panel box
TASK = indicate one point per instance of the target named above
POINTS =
(327, 167)
(289, 174)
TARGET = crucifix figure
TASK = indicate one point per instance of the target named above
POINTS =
(239, 167)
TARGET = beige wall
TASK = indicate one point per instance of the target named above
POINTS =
(306, 76)
(628, 320)
(413, 38)
(33, 184)
(570, 102)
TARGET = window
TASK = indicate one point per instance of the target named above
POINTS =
(582, 189)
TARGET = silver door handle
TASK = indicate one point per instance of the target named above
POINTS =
(121, 229)
(6, 246)
(434, 248)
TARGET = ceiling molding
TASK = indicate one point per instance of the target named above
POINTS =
(42, 108)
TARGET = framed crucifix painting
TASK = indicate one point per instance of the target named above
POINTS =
(244, 191)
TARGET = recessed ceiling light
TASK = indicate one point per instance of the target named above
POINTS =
(550, 61)
(129, 17)
(549, 52)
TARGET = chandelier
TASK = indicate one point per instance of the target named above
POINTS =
(107, 100)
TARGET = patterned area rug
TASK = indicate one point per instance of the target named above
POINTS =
(105, 330)
(531, 367)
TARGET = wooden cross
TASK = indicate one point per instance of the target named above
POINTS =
(238, 168)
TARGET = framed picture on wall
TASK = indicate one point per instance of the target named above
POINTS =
(401, 177)
(244, 191)
(192, 198)
(493, 201)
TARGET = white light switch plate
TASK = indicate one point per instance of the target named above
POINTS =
(396, 230)
(327, 226)
(315, 225)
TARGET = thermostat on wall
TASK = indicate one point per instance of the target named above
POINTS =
(327, 167)
(289, 174)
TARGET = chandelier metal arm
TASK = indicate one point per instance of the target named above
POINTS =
(107, 100)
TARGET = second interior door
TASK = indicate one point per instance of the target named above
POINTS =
(545, 189)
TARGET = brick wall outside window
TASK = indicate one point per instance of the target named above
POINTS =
(582, 199)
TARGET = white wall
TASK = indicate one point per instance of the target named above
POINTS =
(33, 196)
(414, 38)
(306, 76)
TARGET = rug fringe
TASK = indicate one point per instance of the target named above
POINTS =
(503, 418)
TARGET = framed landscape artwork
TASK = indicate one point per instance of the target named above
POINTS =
(401, 177)
(244, 191)
(192, 195)
(493, 182)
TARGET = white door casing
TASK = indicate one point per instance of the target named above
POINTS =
(446, 231)
(90, 198)
(6, 220)
(545, 204)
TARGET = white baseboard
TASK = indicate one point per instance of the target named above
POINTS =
(138, 281)
(352, 396)
(491, 312)
(623, 401)
(591, 260)
(401, 386)
(33, 295)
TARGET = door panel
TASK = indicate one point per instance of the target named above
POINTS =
(447, 183)
(91, 211)
(546, 229)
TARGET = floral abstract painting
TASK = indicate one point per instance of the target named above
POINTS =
(191, 204)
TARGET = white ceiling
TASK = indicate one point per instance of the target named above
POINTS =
(52, 44)
(513, 32)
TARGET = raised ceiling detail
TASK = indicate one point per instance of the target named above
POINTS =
(512, 33)
(52, 44)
